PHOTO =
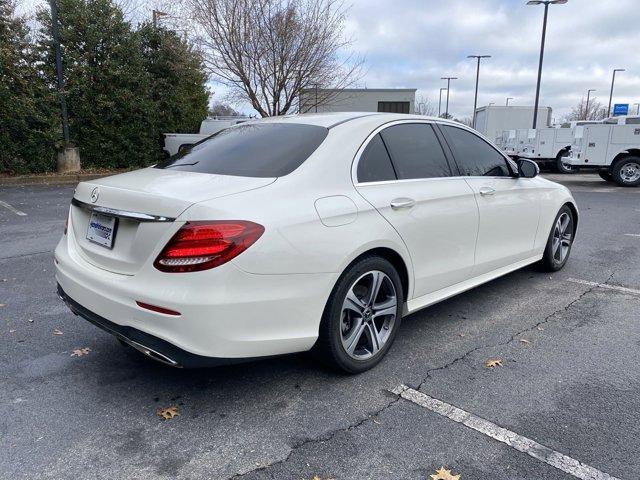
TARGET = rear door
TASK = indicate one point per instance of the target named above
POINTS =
(405, 174)
(508, 205)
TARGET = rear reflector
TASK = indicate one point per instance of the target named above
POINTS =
(203, 245)
(155, 308)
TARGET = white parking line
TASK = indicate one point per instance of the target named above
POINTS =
(605, 285)
(632, 234)
(518, 442)
(14, 210)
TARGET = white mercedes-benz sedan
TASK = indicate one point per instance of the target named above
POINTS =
(311, 232)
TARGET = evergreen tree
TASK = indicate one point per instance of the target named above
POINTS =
(111, 112)
(27, 106)
(177, 80)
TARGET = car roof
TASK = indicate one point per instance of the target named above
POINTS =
(333, 119)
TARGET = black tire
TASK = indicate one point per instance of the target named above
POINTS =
(329, 347)
(550, 261)
(621, 169)
(605, 175)
(564, 168)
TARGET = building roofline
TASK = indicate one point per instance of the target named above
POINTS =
(360, 90)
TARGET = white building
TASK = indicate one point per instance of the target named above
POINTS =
(395, 100)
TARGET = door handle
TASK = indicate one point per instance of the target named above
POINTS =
(398, 203)
(484, 191)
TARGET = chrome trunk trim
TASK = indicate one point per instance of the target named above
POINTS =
(140, 217)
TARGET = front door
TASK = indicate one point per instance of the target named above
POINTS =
(508, 208)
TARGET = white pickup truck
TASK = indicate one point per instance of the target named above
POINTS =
(613, 147)
(175, 142)
(550, 146)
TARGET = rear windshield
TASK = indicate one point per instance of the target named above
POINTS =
(251, 150)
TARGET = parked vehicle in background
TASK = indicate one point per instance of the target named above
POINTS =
(292, 233)
(550, 146)
(492, 120)
(612, 148)
(174, 142)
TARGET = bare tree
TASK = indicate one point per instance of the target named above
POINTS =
(268, 51)
(594, 111)
(220, 109)
(424, 106)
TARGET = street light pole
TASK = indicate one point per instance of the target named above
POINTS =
(508, 98)
(546, 4)
(613, 80)
(440, 101)
(586, 107)
(475, 98)
(55, 28)
(448, 79)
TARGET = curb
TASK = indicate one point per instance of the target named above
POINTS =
(50, 179)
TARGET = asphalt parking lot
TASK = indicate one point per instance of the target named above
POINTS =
(569, 345)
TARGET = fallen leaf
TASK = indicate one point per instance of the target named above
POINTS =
(443, 474)
(462, 334)
(11, 331)
(57, 332)
(168, 413)
(30, 320)
(525, 341)
(493, 362)
(81, 352)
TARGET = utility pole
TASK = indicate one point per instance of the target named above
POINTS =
(546, 4)
(155, 15)
(613, 81)
(55, 28)
(475, 98)
(440, 101)
(586, 107)
(448, 79)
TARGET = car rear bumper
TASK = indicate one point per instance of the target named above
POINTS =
(153, 347)
(225, 313)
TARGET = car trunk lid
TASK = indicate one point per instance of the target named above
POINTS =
(145, 204)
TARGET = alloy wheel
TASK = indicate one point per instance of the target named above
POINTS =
(562, 238)
(368, 315)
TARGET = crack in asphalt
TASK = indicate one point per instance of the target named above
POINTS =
(324, 438)
(330, 435)
(515, 336)
(26, 255)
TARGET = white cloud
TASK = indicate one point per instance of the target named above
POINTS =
(412, 43)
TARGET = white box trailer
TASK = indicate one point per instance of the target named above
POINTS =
(492, 120)
(613, 149)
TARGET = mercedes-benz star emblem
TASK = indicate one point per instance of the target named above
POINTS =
(95, 193)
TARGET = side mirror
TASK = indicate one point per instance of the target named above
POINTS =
(527, 168)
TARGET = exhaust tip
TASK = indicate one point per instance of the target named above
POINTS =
(150, 352)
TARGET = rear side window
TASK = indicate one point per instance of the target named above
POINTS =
(474, 156)
(251, 150)
(375, 164)
(415, 151)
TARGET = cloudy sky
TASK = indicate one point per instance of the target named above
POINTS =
(412, 43)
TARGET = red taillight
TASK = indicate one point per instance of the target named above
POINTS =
(203, 245)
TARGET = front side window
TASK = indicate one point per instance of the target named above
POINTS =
(251, 150)
(415, 151)
(374, 164)
(474, 156)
